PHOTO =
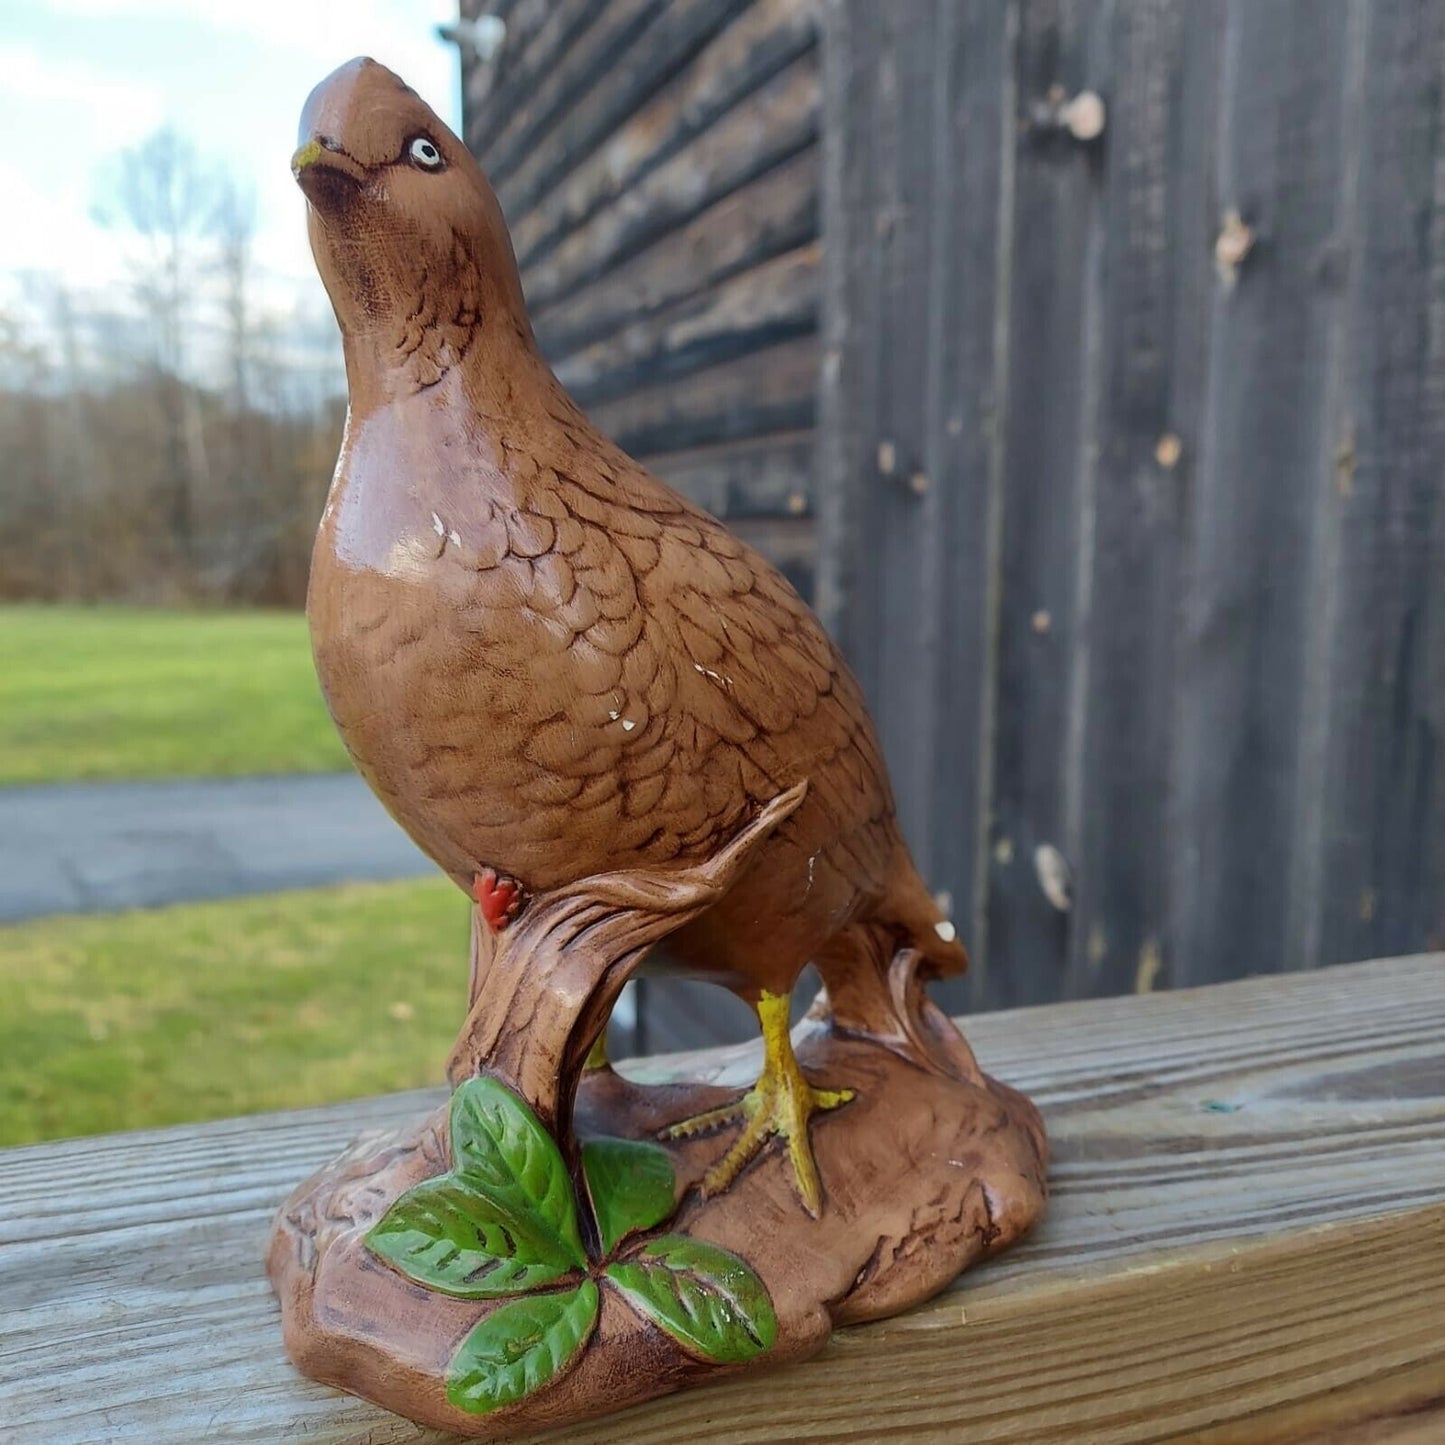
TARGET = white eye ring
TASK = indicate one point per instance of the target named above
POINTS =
(425, 153)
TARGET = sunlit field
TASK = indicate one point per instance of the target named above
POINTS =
(121, 692)
(200, 1011)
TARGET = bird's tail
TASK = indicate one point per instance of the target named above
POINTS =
(874, 973)
(912, 911)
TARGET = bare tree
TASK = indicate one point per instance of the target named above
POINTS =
(175, 442)
(167, 197)
(234, 227)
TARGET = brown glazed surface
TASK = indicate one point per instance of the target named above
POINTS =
(613, 725)
(543, 659)
(925, 1178)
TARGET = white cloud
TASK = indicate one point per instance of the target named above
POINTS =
(400, 33)
(92, 77)
(57, 235)
(104, 108)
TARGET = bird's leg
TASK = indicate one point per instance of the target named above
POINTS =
(780, 1103)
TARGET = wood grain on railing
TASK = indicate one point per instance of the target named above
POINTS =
(1246, 1243)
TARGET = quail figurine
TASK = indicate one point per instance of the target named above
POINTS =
(544, 660)
(616, 728)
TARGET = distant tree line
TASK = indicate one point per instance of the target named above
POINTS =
(172, 443)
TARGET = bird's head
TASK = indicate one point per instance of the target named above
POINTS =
(406, 231)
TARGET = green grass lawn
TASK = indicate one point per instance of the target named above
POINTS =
(123, 1021)
(121, 692)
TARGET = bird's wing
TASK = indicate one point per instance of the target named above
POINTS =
(675, 680)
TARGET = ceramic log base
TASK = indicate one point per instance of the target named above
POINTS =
(924, 1174)
(545, 1249)
(613, 725)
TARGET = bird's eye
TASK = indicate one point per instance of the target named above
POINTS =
(425, 154)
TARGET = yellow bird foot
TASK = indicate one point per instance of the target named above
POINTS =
(778, 1105)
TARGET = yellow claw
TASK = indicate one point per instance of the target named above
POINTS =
(780, 1103)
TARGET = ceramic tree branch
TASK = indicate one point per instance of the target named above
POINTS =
(614, 726)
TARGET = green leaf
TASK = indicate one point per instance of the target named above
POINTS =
(446, 1235)
(710, 1301)
(500, 1148)
(631, 1185)
(521, 1347)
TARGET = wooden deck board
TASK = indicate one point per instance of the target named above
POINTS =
(1246, 1242)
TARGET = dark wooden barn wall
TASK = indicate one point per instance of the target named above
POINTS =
(1138, 547)
(657, 161)
(1137, 540)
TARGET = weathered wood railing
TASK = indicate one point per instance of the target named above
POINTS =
(1246, 1242)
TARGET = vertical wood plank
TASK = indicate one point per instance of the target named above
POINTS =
(913, 124)
(1157, 279)
(1383, 872)
(1264, 455)
(962, 457)
(894, 219)
(1049, 478)
(848, 58)
(1140, 558)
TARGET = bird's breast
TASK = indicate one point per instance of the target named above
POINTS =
(410, 482)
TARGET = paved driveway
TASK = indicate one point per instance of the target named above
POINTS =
(93, 847)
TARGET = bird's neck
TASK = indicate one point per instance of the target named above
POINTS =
(501, 400)
(387, 362)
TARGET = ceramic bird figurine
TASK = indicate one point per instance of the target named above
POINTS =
(613, 725)
(546, 662)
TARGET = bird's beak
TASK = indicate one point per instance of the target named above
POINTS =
(325, 172)
(308, 155)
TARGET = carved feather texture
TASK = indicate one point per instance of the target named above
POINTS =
(546, 662)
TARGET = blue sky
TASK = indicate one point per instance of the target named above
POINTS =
(80, 79)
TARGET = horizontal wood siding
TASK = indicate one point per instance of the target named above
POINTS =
(657, 161)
